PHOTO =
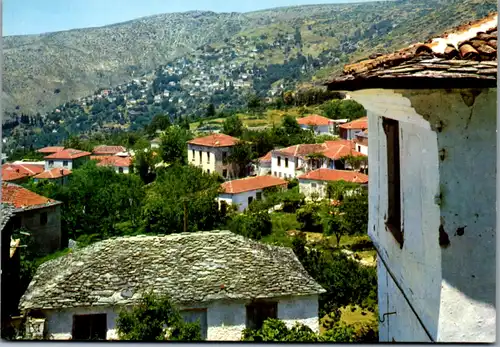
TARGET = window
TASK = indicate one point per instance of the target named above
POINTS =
(258, 312)
(223, 207)
(65, 163)
(43, 218)
(16, 223)
(200, 315)
(120, 170)
(51, 163)
(286, 162)
(296, 161)
(89, 327)
(275, 174)
(208, 171)
(279, 161)
(192, 152)
(280, 174)
(224, 173)
(200, 156)
(359, 148)
(393, 221)
(250, 199)
(208, 157)
(224, 157)
(313, 185)
(259, 196)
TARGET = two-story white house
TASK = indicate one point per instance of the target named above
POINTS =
(211, 152)
(243, 191)
(319, 124)
(67, 158)
(296, 160)
(432, 112)
(361, 142)
(119, 164)
(349, 130)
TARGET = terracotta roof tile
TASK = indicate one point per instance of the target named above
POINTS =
(360, 123)
(302, 149)
(467, 53)
(22, 198)
(215, 140)
(115, 161)
(109, 150)
(335, 175)
(68, 153)
(12, 172)
(251, 183)
(54, 173)
(314, 120)
(50, 150)
(266, 157)
(331, 149)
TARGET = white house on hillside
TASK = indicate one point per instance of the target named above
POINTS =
(210, 153)
(263, 166)
(319, 124)
(203, 273)
(67, 158)
(243, 191)
(295, 160)
(315, 182)
(349, 130)
(361, 142)
(432, 189)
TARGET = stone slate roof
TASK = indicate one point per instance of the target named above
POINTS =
(188, 267)
(465, 56)
(6, 212)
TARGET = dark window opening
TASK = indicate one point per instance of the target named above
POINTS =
(120, 170)
(223, 207)
(65, 163)
(51, 162)
(250, 199)
(258, 312)
(259, 196)
(43, 218)
(393, 221)
(192, 152)
(201, 156)
(279, 161)
(224, 173)
(208, 157)
(197, 315)
(224, 157)
(286, 162)
(16, 223)
(89, 327)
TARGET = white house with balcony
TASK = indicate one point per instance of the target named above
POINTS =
(433, 183)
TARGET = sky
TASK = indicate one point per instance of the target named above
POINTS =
(23, 17)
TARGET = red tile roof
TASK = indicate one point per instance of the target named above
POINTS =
(360, 123)
(22, 198)
(12, 172)
(266, 157)
(251, 183)
(314, 120)
(335, 175)
(215, 140)
(331, 149)
(53, 173)
(49, 150)
(115, 161)
(108, 150)
(467, 53)
(68, 153)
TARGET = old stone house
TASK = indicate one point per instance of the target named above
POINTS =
(41, 216)
(432, 114)
(224, 280)
(211, 153)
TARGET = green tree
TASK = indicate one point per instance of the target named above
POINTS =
(182, 195)
(159, 122)
(290, 125)
(254, 103)
(232, 126)
(210, 113)
(155, 318)
(241, 155)
(144, 163)
(173, 146)
(254, 225)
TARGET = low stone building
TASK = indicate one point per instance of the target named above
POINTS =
(41, 216)
(226, 281)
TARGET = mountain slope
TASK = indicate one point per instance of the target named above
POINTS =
(44, 71)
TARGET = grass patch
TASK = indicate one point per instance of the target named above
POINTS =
(351, 315)
(282, 222)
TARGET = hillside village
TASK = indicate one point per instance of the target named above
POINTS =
(301, 219)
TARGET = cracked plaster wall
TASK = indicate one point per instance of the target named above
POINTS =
(448, 182)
